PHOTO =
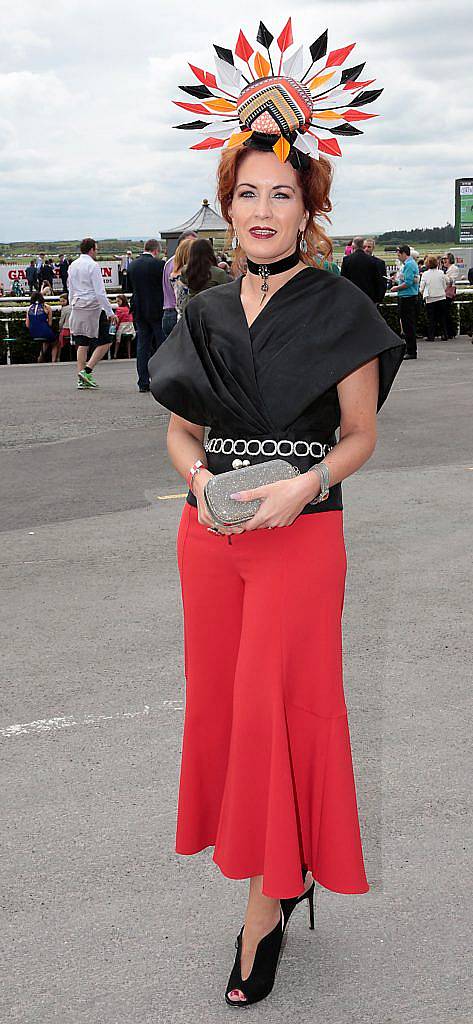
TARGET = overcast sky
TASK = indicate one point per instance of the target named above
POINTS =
(86, 86)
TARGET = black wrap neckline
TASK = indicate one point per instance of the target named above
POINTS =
(271, 298)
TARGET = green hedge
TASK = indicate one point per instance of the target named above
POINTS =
(25, 350)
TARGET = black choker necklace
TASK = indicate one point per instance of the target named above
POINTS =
(265, 270)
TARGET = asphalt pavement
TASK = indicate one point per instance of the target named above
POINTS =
(101, 921)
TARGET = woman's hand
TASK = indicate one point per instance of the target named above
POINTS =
(281, 502)
(203, 516)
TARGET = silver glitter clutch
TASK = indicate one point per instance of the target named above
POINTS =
(227, 511)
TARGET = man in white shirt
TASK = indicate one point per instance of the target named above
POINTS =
(88, 301)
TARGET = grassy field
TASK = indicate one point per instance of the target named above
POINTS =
(111, 248)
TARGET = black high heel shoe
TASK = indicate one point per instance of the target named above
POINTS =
(287, 906)
(263, 973)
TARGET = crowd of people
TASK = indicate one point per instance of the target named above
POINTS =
(429, 279)
(160, 290)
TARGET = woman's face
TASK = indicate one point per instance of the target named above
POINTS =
(267, 208)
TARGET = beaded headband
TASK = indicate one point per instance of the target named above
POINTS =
(293, 113)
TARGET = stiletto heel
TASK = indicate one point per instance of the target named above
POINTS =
(310, 900)
(287, 905)
(261, 979)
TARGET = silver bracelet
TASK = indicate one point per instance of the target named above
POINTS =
(322, 471)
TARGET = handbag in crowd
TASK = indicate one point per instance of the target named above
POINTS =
(227, 511)
(450, 291)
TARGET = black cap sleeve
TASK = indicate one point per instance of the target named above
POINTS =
(178, 378)
(361, 335)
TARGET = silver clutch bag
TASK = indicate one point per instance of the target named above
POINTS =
(227, 511)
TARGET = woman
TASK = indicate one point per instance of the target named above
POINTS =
(39, 320)
(125, 325)
(273, 362)
(181, 256)
(201, 271)
(330, 265)
(64, 317)
(432, 287)
(349, 247)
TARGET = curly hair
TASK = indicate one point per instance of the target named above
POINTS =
(315, 182)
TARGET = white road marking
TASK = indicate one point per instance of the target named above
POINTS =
(42, 725)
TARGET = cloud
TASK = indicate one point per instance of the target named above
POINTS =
(86, 115)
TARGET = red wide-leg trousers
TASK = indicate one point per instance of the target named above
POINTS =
(266, 773)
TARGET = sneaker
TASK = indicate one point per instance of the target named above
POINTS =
(88, 379)
(81, 385)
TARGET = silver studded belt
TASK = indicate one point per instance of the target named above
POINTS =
(267, 447)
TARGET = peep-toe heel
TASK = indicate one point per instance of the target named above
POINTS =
(260, 982)
(288, 905)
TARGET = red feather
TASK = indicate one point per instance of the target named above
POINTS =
(209, 144)
(205, 77)
(243, 48)
(357, 115)
(195, 108)
(285, 39)
(358, 85)
(337, 57)
(329, 146)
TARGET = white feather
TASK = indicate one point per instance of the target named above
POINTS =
(294, 66)
(307, 144)
(228, 77)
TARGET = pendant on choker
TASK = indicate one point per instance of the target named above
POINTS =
(263, 272)
(266, 270)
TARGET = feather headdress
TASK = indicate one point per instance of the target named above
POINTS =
(295, 112)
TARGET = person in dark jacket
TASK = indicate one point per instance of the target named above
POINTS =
(64, 264)
(362, 270)
(145, 280)
(46, 273)
(368, 248)
(32, 276)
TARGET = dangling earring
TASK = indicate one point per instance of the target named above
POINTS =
(235, 242)
(302, 243)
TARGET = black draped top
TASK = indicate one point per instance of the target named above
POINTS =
(278, 378)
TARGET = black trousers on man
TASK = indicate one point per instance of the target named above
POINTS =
(149, 336)
(408, 318)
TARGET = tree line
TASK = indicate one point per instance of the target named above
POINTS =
(439, 234)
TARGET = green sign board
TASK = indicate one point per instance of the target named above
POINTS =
(464, 211)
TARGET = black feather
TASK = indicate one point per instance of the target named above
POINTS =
(351, 74)
(192, 125)
(319, 48)
(346, 129)
(264, 36)
(224, 54)
(201, 92)
(365, 97)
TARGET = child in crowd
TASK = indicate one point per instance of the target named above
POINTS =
(125, 325)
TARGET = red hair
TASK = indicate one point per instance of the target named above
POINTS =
(315, 184)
